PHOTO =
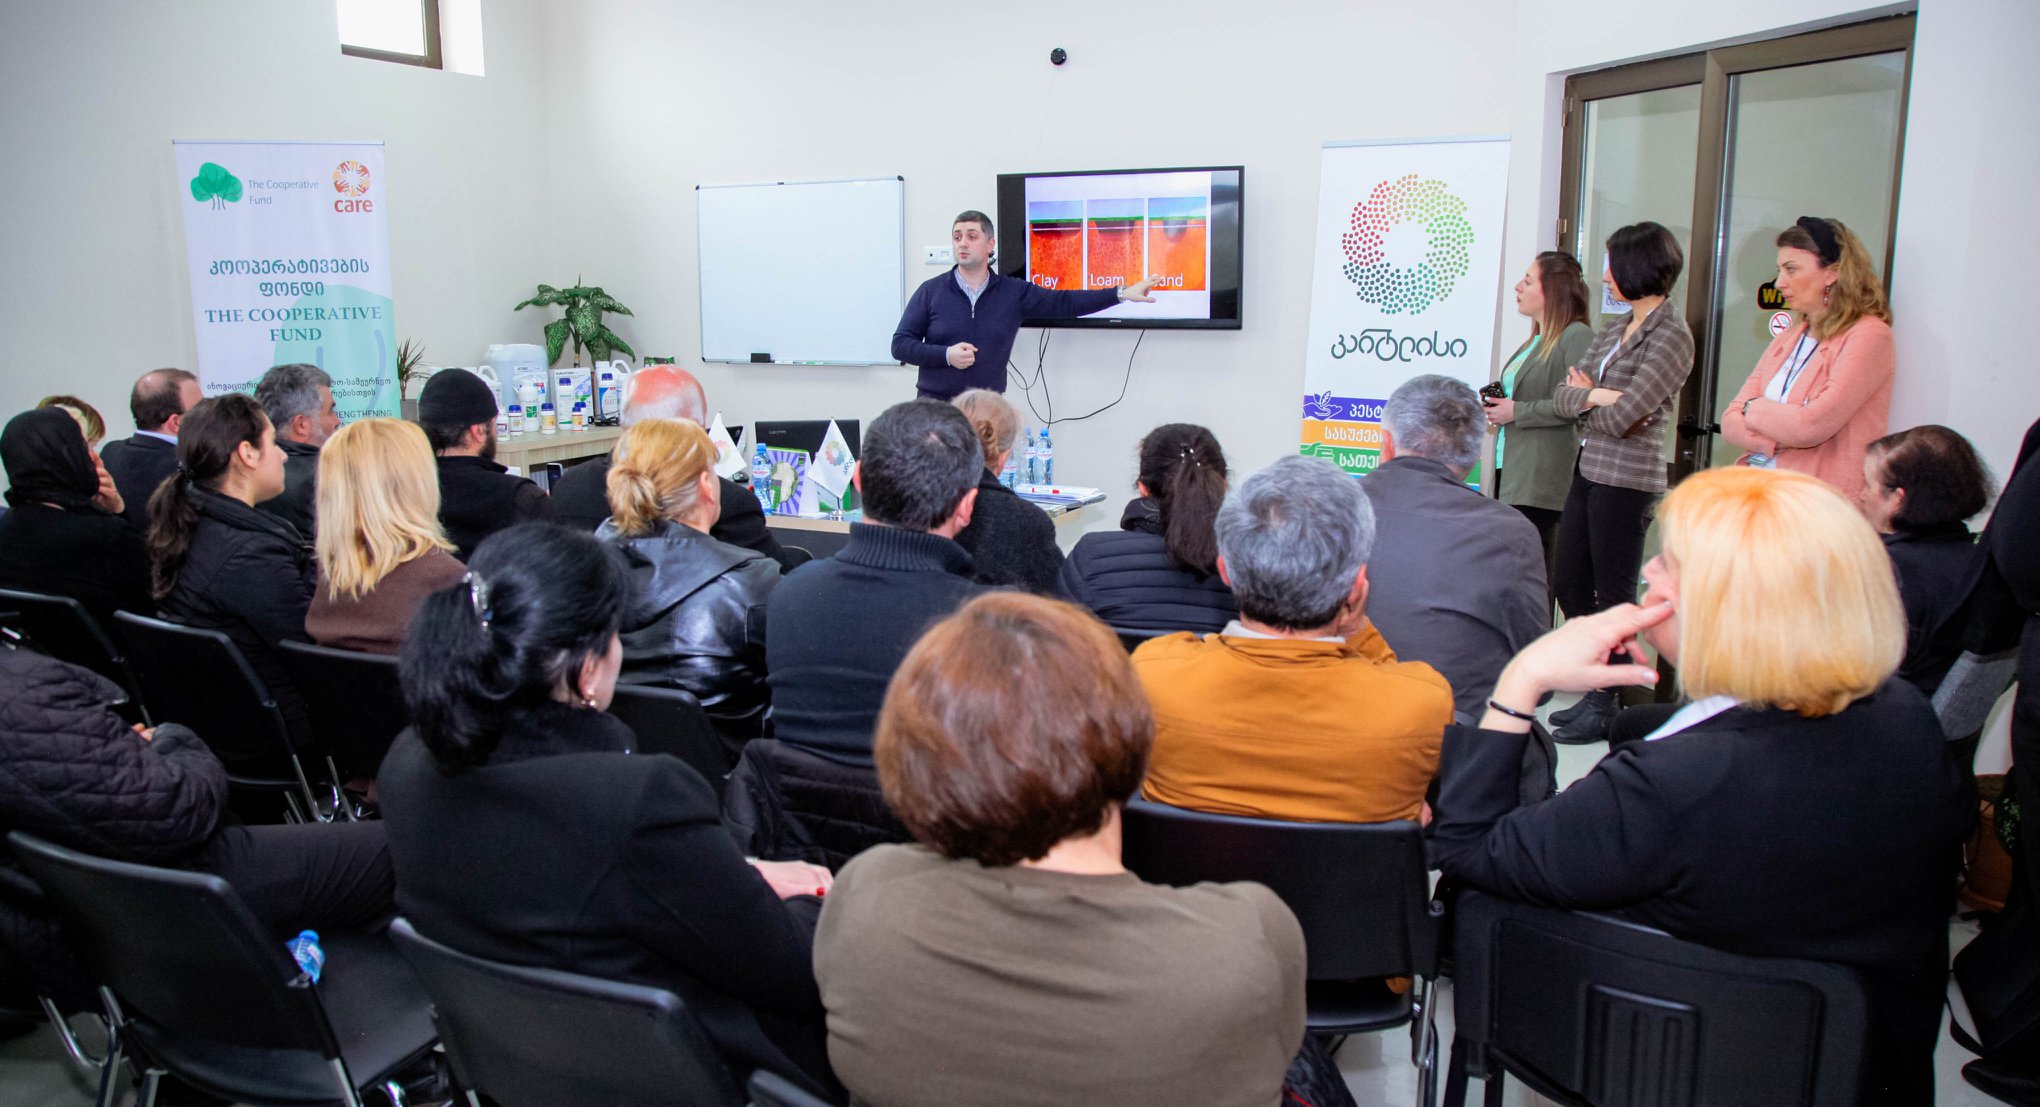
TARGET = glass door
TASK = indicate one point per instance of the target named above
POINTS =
(1640, 153)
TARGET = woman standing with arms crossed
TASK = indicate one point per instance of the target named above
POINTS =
(1537, 444)
(1623, 392)
(1822, 391)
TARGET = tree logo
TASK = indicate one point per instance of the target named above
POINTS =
(1447, 236)
(350, 178)
(214, 183)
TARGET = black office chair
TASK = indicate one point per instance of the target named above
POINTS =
(796, 556)
(199, 678)
(769, 1089)
(196, 987)
(1132, 637)
(61, 627)
(1359, 890)
(669, 720)
(538, 1037)
(356, 704)
(1590, 1009)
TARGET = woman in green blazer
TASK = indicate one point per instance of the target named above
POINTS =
(1535, 445)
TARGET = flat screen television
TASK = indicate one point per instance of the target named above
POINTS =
(1107, 228)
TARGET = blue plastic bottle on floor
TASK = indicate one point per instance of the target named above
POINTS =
(305, 950)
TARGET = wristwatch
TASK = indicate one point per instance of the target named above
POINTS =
(1746, 406)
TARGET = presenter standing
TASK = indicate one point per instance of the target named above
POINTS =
(959, 327)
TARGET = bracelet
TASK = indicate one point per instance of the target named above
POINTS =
(1512, 713)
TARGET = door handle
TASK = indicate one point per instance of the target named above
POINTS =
(1690, 428)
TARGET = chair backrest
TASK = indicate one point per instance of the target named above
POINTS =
(787, 803)
(1359, 890)
(61, 627)
(527, 1036)
(180, 950)
(201, 679)
(355, 701)
(668, 720)
(769, 1089)
(1132, 637)
(1590, 1008)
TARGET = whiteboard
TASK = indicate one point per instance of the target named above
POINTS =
(804, 271)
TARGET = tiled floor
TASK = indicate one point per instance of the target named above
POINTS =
(34, 1072)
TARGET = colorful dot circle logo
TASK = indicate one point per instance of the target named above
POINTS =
(1396, 290)
(350, 178)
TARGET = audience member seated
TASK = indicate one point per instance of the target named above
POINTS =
(298, 399)
(1009, 957)
(382, 551)
(65, 536)
(477, 497)
(1802, 806)
(146, 459)
(1920, 488)
(696, 618)
(580, 498)
(1159, 570)
(90, 422)
(1011, 541)
(217, 562)
(523, 829)
(840, 626)
(1297, 709)
(73, 773)
(1457, 579)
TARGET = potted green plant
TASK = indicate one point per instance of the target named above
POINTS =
(580, 323)
(409, 353)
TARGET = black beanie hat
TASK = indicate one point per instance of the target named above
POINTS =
(456, 398)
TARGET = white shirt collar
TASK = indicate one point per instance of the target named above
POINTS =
(170, 438)
(1692, 715)
(1237, 629)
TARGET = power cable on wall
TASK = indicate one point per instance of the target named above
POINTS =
(1047, 397)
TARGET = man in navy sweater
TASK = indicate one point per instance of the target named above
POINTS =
(959, 327)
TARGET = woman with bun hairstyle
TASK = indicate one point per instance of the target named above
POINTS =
(1536, 443)
(1159, 571)
(523, 827)
(1010, 541)
(1822, 391)
(696, 619)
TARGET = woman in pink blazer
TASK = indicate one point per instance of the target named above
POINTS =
(1822, 391)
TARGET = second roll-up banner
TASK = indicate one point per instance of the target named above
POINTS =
(1409, 238)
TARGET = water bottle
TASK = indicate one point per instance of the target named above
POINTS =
(304, 949)
(761, 478)
(1047, 456)
(1009, 473)
(1032, 471)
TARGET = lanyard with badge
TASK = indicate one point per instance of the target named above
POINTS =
(1781, 387)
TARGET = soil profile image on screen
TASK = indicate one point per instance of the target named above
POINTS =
(1055, 243)
(1114, 249)
(1098, 230)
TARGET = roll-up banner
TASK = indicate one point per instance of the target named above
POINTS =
(289, 249)
(1409, 237)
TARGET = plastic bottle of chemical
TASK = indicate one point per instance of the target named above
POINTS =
(580, 415)
(305, 950)
(761, 478)
(548, 419)
(1046, 455)
(1030, 473)
(516, 418)
(1009, 474)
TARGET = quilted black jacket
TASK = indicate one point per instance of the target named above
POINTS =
(73, 773)
(1127, 578)
(785, 803)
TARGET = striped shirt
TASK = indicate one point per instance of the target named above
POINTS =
(1625, 441)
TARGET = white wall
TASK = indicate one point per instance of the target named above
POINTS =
(93, 286)
(666, 95)
(1966, 221)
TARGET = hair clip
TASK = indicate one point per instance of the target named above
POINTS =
(478, 597)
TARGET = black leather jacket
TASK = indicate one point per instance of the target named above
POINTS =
(697, 623)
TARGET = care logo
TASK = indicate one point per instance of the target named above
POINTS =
(214, 183)
(1411, 289)
(350, 178)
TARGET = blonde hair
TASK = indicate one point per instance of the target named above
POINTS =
(653, 479)
(89, 420)
(996, 422)
(1786, 596)
(378, 504)
(1857, 290)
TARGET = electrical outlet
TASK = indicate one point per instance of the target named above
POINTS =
(938, 255)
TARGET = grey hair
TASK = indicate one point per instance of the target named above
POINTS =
(1437, 417)
(288, 391)
(1293, 536)
(677, 400)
